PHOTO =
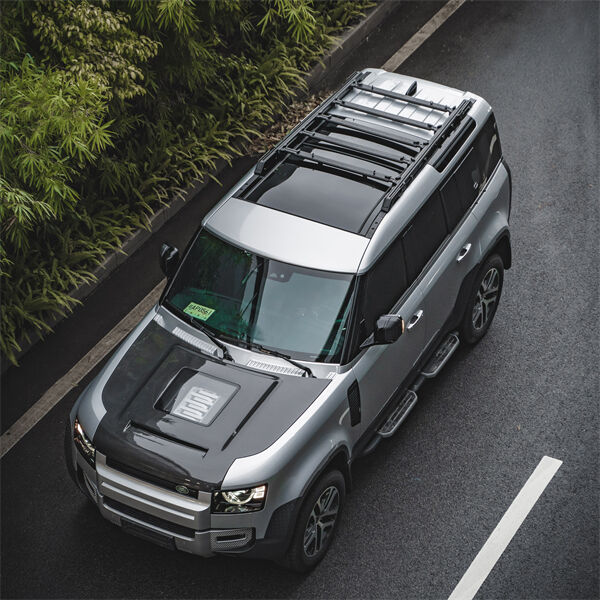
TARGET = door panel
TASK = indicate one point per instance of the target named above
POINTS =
(381, 370)
(444, 278)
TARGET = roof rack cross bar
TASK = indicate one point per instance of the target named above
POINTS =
(403, 97)
(385, 159)
(354, 79)
(384, 115)
(338, 164)
(412, 147)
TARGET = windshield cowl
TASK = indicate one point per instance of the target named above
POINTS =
(241, 356)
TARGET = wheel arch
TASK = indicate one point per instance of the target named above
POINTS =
(500, 246)
(503, 248)
(337, 459)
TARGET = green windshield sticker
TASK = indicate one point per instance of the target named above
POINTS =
(198, 311)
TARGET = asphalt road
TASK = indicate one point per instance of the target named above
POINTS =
(425, 502)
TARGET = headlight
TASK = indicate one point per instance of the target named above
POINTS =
(84, 444)
(239, 501)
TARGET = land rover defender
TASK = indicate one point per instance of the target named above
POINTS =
(295, 331)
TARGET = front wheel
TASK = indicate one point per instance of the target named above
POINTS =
(483, 300)
(316, 523)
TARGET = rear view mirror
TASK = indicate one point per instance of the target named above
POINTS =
(388, 329)
(169, 259)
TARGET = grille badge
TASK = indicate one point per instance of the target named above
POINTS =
(182, 489)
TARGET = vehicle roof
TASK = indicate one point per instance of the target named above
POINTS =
(336, 191)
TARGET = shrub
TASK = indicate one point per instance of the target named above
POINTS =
(109, 109)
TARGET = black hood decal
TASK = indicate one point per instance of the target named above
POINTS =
(183, 417)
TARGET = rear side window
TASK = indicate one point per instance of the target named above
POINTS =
(487, 145)
(460, 191)
(451, 202)
(423, 236)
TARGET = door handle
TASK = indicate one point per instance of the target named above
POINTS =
(414, 319)
(463, 252)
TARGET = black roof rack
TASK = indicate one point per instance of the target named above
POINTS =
(315, 135)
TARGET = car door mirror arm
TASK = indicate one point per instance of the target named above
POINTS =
(169, 259)
(388, 329)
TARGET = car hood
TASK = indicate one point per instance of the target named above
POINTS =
(177, 416)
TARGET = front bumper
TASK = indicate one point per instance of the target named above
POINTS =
(175, 521)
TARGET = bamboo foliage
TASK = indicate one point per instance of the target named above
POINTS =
(110, 108)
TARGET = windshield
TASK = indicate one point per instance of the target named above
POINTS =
(242, 296)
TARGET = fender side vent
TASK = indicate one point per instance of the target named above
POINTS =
(354, 404)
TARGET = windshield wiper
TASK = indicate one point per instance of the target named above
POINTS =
(205, 330)
(255, 345)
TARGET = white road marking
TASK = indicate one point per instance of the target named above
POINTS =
(52, 396)
(504, 532)
(62, 387)
(440, 17)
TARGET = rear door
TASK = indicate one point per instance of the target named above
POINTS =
(460, 253)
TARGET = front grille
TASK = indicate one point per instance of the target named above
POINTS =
(163, 483)
(192, 512)
(139, 515)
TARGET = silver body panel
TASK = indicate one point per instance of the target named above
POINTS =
(290, 464)
(289, 239)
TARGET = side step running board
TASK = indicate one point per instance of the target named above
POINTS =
(398, 415)
(445, 350)
(395, 418)
(393, 421)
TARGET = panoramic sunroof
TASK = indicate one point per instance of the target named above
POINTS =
(317, 194)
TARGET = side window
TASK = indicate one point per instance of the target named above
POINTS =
(487, 145)
(423, 236)
(382, 287)
(469, 179)
(460, 191)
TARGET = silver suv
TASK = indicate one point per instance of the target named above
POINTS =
(296, 329)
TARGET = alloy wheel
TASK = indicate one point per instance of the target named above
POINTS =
(321, 521)
(485, 301)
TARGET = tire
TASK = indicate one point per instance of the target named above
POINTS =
(310, 540)
(483, 300)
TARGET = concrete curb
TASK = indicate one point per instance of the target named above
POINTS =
(316, 78)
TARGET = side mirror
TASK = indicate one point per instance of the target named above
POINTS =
(169, 259)
(388, 329)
